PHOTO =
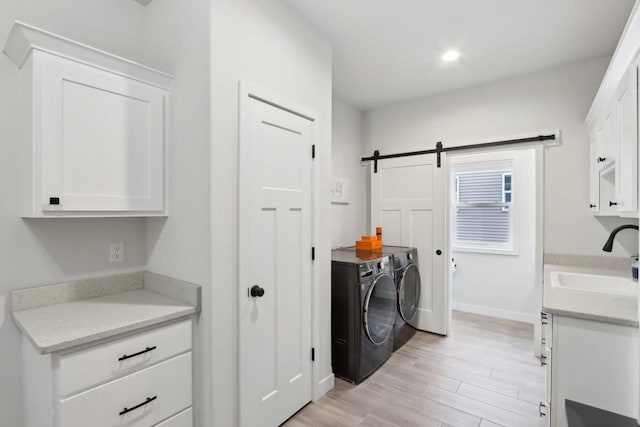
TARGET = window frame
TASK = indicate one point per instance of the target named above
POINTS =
(479, 162)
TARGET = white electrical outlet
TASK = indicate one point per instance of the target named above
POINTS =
(116, 252)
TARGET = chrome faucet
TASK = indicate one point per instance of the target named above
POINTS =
(609, 245)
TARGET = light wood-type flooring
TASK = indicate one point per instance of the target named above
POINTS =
(483, 374)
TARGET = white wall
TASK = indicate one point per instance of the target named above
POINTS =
(266, 43)
(176, 40)
(495, 284)
(348, 220)
(35, 252)
(545, 101)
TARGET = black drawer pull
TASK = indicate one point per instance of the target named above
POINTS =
(129, 356)
(540, 407)
(133, 408)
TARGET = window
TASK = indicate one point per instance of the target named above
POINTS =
(483, 220)
(506, 187)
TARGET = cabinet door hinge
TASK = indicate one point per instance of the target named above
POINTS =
(313, 253)
(313, 151)
(313, 354)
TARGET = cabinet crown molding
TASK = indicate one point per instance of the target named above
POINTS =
(25, 38)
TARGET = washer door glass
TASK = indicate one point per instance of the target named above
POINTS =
(380, 309)
(409, 292)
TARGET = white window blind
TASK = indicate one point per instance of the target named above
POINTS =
(483, 198)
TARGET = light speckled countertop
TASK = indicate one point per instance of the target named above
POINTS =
(59, 317)
(616, 309)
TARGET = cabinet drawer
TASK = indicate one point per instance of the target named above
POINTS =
(94, 365)
(183, 419)
(167, 386)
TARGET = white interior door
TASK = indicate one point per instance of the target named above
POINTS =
(408, 202)
(275, 258)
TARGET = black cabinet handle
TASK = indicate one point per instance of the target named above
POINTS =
(542, 405)
(129, 356)
(438, 252)
(612, 203)
(591, 205)
(601, 159)
(54, 200)
(139, 405)
(543, 360)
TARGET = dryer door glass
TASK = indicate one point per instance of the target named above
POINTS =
(380, 309)
(409, 292)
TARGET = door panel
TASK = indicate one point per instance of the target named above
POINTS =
(420, 237)
(407, 200)
(391, 223)
(627, 162)
(274, 254)
(103, 139)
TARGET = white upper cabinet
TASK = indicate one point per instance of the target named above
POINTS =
(94, 129)
(613, 125)
(626, 102)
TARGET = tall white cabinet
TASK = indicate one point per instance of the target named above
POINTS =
(94, 129)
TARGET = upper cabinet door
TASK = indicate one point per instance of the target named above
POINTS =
(610, 140)
(94, 140)
(101, 136)
(594, 175)
(626, 102)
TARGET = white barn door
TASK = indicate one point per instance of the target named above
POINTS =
(408, 202)
(274, 262)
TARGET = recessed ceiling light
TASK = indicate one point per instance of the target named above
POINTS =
(451, 55)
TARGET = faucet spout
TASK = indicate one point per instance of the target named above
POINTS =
(608, 246)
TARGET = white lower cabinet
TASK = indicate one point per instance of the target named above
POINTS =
(590, 362)
(141, 380)
(183, 419)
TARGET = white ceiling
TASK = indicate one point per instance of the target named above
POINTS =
(387, 51)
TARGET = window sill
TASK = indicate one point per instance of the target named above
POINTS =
(481, 250)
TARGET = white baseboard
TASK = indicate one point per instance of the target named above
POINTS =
(493, 312)
(323, 386)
